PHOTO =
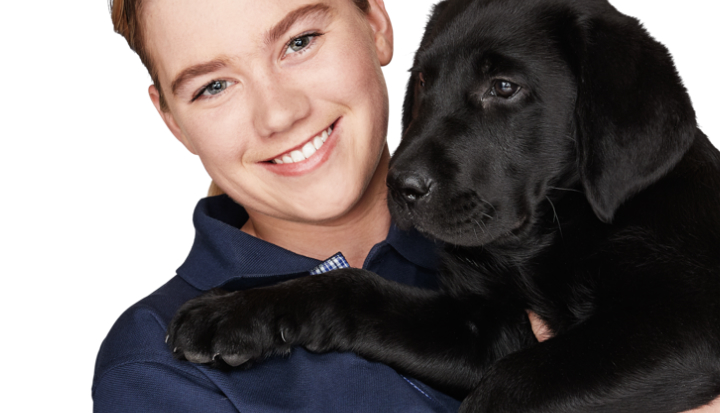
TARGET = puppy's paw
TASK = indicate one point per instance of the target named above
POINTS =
(226, 328)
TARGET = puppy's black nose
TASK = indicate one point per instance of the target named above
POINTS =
(411, 186)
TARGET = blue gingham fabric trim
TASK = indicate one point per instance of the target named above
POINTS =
(335, 262)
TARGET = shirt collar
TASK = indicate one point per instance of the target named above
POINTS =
(222, 253)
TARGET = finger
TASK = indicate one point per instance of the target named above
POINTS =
(713, 407)
(540, 329)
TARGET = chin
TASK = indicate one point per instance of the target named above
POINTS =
(326, 206)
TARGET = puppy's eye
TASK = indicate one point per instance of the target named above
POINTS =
(504, 89)
(421, 79)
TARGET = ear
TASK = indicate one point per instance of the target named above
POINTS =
(634, 117)
(382, 28)
(431, 30)
(169, 119)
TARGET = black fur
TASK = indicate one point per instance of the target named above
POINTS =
(587, 194)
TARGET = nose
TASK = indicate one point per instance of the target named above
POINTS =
(277, 107)
(411, 186)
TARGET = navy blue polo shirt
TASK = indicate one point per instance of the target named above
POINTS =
(135, 371)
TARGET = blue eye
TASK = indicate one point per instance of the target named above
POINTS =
(301, 43)
(215, 87)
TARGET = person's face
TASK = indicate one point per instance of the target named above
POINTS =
(246, 91)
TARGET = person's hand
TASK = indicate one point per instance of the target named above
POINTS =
(539, 328)
(713, 407)
(542, 333)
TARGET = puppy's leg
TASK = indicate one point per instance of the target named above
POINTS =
(430, 336)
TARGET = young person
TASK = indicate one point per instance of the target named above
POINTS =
(285, 104)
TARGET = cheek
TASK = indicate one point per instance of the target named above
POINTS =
(354, 79)
(217, 134)
(351, 71)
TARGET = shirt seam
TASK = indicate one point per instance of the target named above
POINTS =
(417, 388)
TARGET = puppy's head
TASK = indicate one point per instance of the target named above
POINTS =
(508, 98)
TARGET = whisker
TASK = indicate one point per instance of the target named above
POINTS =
(555, 216)
(565, 189)
(488, 203)
(481, 225)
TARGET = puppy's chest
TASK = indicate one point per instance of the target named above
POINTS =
(558, 278)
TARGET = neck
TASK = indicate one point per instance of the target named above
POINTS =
(354, 233)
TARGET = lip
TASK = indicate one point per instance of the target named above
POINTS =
(312, 163)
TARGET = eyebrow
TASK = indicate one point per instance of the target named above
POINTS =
(270, 37)
(197, 70)
(298, 14)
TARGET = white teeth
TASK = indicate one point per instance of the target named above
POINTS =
(317, 143)
(297, 156)
(306, 151)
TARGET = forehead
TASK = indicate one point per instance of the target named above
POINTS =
(180, 33)
(490, 33)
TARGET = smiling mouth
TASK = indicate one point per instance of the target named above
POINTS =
(306, 150)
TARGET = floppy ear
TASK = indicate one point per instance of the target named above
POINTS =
(634, 117)
(430, 31)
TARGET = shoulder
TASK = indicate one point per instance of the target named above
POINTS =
(140, 331)
(135, 370)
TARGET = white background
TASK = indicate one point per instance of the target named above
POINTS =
(97, 196)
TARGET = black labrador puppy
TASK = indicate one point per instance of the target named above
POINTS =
(552, 146)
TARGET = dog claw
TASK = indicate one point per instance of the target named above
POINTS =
(235, 360)
(167, 337)
(198, 358)
(215, 356)
(282, 335)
